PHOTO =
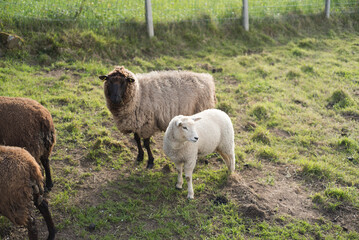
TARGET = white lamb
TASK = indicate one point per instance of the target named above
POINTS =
(198, 135)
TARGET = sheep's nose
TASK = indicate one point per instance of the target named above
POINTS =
(195, 138)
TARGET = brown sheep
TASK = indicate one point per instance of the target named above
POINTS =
(145, 103)
(26, 123)
(21, 188)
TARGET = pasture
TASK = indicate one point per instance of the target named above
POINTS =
(290, 86)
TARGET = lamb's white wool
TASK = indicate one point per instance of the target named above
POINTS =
(188, 137)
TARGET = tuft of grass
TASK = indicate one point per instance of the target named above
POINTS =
(267, 153)
(308, 69)
(261, 135)
(260, 112)
(340, 99)
(315, 169)
(348, 144)
(333, 197)
(226, 107)
(292, 74)
(297, 52)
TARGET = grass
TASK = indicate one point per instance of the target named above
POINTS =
(289, 85)
(114, 14)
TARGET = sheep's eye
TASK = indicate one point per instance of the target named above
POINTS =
(185, 128)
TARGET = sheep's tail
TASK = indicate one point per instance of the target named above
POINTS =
(37, 184)
(215, 99)
(48, 134)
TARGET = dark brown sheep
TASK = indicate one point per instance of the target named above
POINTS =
(21, 188)
(145, 103)
(26, 123)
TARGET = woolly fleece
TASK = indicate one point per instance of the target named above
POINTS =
(26, 123)
(188, 137)
(19, 173)
(153, 99)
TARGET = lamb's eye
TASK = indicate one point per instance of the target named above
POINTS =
(185, 128)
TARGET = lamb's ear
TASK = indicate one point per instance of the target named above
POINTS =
(103, 78)
(178, 122)
(196, 119)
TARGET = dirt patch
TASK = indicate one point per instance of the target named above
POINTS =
(280, 133)
(282, 195)
(345, 216)
(287, 194)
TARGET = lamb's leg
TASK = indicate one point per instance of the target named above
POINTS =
(45, 162)
(150, 163)
(179, 183)
(31, 228)
(188, 170)
(44, 210)
(139, 147)
(229, 159)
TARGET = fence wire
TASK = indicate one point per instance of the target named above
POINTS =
(105, 13)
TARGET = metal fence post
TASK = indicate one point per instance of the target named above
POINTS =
(245, 15)
(149, 19)
(327, 8)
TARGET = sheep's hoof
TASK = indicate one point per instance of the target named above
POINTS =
(178, 188)
(139, 158)
(190, 198)
(150, 165)
(47, 189)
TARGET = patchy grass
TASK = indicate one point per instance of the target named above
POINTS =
(292, 95)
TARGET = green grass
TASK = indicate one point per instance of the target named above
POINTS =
(290, 87)
(114, 14)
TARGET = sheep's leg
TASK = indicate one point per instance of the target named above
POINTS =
(150, 163)
(45, 162)
(188, 170)
(44, 210)
(139, 147)
(179, 183)
(31, 228)
(229, 159)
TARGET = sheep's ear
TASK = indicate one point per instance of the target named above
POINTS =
(179, 123)
(131, 80)
(103, 78)
(196, 119)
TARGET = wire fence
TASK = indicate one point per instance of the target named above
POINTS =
(104, 13)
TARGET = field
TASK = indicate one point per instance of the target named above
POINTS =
(290, 86)
(113, 14)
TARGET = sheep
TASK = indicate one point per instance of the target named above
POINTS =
(22, 187)
(26, 123)
(198, 135)
(145, 103)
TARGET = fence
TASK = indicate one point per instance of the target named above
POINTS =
(100, 14)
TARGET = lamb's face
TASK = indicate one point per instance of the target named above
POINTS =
(116, 84)
(186, 129)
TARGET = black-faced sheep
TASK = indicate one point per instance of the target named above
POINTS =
(21, 188)
(26, 123)
(199, 135)
(145, 103)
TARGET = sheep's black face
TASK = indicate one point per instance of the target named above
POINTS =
(116, 84)
(116, 90)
